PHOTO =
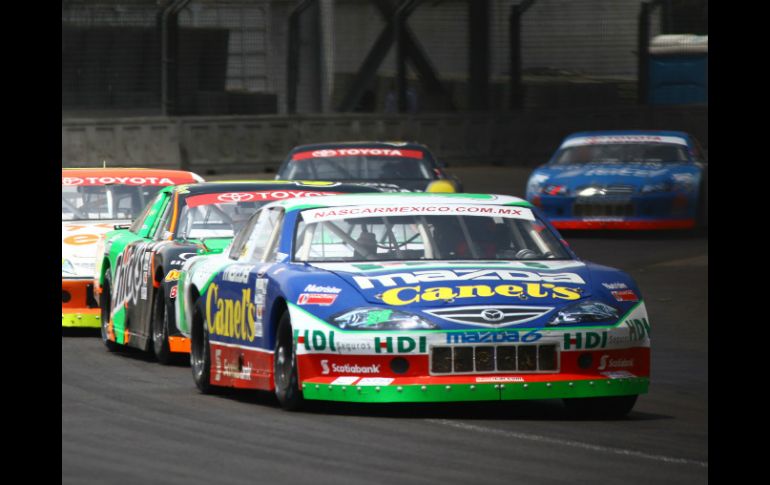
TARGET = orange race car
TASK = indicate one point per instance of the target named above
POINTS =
(93, 201)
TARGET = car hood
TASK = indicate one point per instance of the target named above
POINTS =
(633, 174)
(80, 243)
(458, 294)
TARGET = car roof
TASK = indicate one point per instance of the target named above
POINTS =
(402, 199)
(631, 133)
(104, 176)
(251, 185)
(355, 144)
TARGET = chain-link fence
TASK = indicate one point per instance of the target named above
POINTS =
(203, 57)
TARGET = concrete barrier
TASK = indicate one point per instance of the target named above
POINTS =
(237, 144)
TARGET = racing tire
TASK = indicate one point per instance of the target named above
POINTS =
(200, 350)
(285, 367)
(159, 329)
(105, 303)
(612, 407)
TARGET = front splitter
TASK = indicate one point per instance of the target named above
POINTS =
(394, 392)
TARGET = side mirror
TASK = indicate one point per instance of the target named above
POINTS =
(120, 227)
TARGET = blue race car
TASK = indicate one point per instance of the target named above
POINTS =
(623, 180)
(413, 298)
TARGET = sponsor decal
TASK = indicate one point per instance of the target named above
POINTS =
(182, 258)
(354, 152)
(234, 370)
(131, 274)
(625, 295)
(256, 196)
(615, 286)
(348, 368)
(606, 363)
(337, 213)
(406, 295)
(399, 345)
(584, 340)
(499, 379)
(322, 299)
(231, 318)
(429, 276)
(345, 380)
(594, 140)
(172, 293)
(316, 340)
(81, 239)
(321, 289)
(622, 172)
(620, 374)
(237, 274)
(492, 337)
(116, 180)
(638, 329)
(173, 275)
(375, 381)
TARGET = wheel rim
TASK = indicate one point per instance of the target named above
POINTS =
(106, 305)
(197, 353)
(159, 323)
(284, 364)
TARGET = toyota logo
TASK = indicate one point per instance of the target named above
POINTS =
(71, 181)
(235, 197)
(492, 315)
(325, 153)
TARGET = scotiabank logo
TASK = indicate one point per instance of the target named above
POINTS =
(348, 368)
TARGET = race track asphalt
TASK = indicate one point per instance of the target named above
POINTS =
(126, 419)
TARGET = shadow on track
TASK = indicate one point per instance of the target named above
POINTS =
(535, 410)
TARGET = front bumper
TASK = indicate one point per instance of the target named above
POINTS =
(623, 224)
(638, 212)
(443, 389)
(79, 306)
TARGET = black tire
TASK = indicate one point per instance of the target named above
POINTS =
(200, 351)
(600, 407)
(159, 329)
(285, 367)
(105, 303)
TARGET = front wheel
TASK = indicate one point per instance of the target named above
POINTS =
(600, 407)
(105, 302)
(159, 330)
(200, 350)
(285, 367)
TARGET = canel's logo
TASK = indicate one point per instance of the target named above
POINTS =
(325, 366)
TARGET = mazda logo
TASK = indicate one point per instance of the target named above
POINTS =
(492, 315)
(235, 197)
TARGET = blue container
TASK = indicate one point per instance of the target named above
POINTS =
(678, 70)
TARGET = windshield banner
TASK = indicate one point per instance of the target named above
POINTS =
(338, 213)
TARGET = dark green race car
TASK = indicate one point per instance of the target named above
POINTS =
(138, 266)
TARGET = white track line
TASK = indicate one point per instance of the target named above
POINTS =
(573, 444)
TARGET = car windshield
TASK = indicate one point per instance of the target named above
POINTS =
(104, 202)
(508, 233)
(621, 153)
(215, 215)
(330, 165)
